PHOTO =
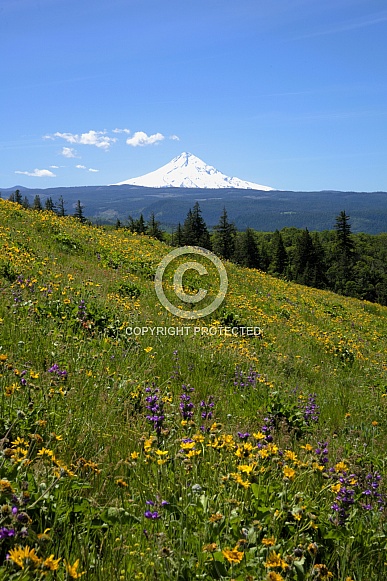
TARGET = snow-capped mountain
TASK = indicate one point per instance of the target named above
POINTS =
(188, 171)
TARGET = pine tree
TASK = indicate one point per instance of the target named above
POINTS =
(137, 226)
(177, 237)
(246, 250)
(25, 202)
(78, 213)
(194, 229)
(61, 207)
(49, 205)
(118, 224)
(344, 256)
(141, 227)
(304, 260)
(37, 204)
(223, 242)
(279, 255)
(153, 228)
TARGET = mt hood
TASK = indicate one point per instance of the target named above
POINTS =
(188, 171)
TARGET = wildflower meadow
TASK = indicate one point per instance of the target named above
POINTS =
(130, 455)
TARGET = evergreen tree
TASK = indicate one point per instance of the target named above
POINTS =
(25, 202)
(153, 228)
(141, 227)
(177, 237)
(246, 250)
(37, 204)
(341, 269)
(61, 207)
(343, 233)
(78, 213)
(49, 205)
(188, 234)
(131, 223)
(264, 258)
(304, 260)
(223, 242)
(279, 259)
(18, 197)
(194, 229)
(118, 224)
(137, 226)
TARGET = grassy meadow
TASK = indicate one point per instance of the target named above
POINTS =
(128, 456)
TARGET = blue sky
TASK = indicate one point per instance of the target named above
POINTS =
(291, 94)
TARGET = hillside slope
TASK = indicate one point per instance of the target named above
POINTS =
(188, 455)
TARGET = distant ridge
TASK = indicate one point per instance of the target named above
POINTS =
(188, 171)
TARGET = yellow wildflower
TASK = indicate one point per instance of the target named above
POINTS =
(289, 472)
(275, 560)
(245, 468)
(215, 517)
(289, 455)
(51, 564)
(273, 576)
(5, 486)
(72, 570)
(268, 541)
(20, 555)
(210, 548)
(341, 467)
(232, 555)
(307, 447)
(121, 483)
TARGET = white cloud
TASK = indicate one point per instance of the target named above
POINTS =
(140, 139)
(38, 173)
(68, 152)
(121, 131)
(97, 138)
(174, 137)
(79, 166)
(54, 166)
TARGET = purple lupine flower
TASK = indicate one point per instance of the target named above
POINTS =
(311, 409)
(6, 533)
(207, 408)
(82, 311)
(57, 371)
(345, 497)
(152, 515)
(243, 436)
(156, 406)
(186, 406)
(322, 451)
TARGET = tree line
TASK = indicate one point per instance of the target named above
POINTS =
(337, 260)
(49, 205)
(349, 264)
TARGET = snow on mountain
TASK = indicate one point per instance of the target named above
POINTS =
(188, 171)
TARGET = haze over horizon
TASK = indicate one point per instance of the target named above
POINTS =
(292, 94)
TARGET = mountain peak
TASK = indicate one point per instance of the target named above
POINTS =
(188, 171)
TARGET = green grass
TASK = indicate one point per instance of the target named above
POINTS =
(79, 456)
